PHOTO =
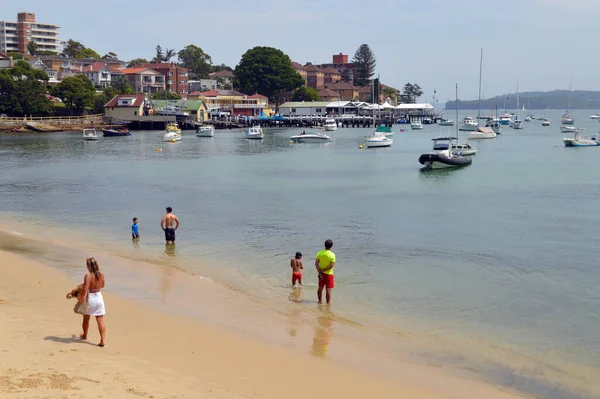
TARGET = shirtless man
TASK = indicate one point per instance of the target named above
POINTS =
(167, 223)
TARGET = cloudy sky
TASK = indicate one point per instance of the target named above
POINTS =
(434, 43)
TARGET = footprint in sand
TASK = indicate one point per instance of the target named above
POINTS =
(3, 302)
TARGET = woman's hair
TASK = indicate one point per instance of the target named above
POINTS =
(93, 267)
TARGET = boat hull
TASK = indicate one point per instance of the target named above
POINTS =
(90, 138)
(169, 139)
(446, 123)
(568, 121)
(330, 128)
(378, 143)
(585, 143)
(481, 136)
(114, 133)
(467, 128)
(254, 136)
(434, 160)
(416, 127)
(305, 138)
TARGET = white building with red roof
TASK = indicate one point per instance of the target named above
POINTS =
(98, 72)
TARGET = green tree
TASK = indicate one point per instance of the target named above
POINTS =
(160, 95)
(87, 53)
(32, 47)
(267, 71)
(196, 60)
(45, 52)
(137, 61)
(222, 67)
(392, 94)
(163, 56)
(122, 86)
(77, 92)
(305, 94)
(100, 101)
(364, 65)
(75, 49)
(22, 91)
(110, 56)
(16, 56)
(410, 93)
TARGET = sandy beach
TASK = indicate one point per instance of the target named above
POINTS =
(155, 355)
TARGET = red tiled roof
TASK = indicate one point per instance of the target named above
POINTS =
(297, 65)
(313, 68)
(95, 67)
(342, 86)
(139, 100)
(209, 93)
(257, 96)
(225, 73)
(325, 92)
(134, 71)
(195, 93)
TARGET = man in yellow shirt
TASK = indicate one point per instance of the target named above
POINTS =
(324, 264)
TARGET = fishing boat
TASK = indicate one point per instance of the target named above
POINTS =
(254, 133)
(568, 129)
(205, 131)
(446, 122)
(416, 125)
(545, 121)
(90, 134)
(330, 125)
(385, 130)
(578, 141)
(468, 124)
(310, 138)
(121, 132)
(442, 157)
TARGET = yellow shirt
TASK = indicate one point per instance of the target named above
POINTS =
(326, 257)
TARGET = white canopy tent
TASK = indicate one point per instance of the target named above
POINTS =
(414, 107)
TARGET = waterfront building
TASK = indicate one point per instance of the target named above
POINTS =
(176, 77)
(127, 107)
(144, 80)
(15, 36)
(224, 79)
(202, 85)
(232, 102)
(196, 108)
(304, 108)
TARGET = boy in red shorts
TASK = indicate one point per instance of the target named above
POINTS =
(324, 264)
(296, 265)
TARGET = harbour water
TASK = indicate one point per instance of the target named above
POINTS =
(495, 263)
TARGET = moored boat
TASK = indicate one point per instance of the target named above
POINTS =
(122, 132)
(205, 131)
(416, 125)
(568, 129)
(442, 157)
(385, 130)
(171, 137)
(330, 125)
(578, 141)
(482, 133)
(446, 122)
(545, 121)
(310, 138)
(595, 116)
(254, 133)
(90, 134)
(468, 124)
(504, 119)
(173, 127)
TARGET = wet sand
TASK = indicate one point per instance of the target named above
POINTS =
(157, 355)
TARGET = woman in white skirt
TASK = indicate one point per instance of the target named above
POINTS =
(93, 282)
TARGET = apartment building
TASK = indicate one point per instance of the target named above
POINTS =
(346, 69)
(14, 36)
(176, 77)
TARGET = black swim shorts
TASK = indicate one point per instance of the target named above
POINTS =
(170, 234)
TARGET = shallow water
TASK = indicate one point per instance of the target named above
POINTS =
(496, 260)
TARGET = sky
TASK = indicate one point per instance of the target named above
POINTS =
(543, 44)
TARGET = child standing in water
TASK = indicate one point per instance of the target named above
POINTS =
(296, 265)
(135, 229)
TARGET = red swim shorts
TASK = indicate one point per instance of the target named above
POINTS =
(296, 277)
(326, 281)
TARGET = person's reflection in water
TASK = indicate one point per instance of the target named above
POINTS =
(323, 329)
(170, 250)
(294, 313)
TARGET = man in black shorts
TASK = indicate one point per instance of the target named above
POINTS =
(169, 224)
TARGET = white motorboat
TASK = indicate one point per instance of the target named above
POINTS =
(171, 137)
(90, 134)
(416, 125)
(517, 124)
(254, 133)
(464, 149)
(567, 119)
(205, 131)
(446, 122)
(330, 125)
(468, 124)
(482, 133)
(494, 125)
(310, 138)
(578, 141)
(378, 139)
(545, 121)
(595, 116)
(442, 157)
(568, 129)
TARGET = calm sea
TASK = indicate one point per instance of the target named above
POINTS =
(498, 260)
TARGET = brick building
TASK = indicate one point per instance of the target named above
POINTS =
(176, 77)
(15, 36)
(346, 69)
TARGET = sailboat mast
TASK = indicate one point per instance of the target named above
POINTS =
(456, 106)
(518, 107)
(480, 73)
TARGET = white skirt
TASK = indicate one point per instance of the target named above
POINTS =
(96, 304)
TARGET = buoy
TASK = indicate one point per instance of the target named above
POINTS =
(360, 146)
(172, 141)
(158, 149)
(291, 142)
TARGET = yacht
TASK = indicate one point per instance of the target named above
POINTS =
(567, 119)
(330, 125)
(310, 138)
(468, 124)
(378, 139)
(171, 137)
(442, 157)
(254, 133)
(205, 131)
(595, 116)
